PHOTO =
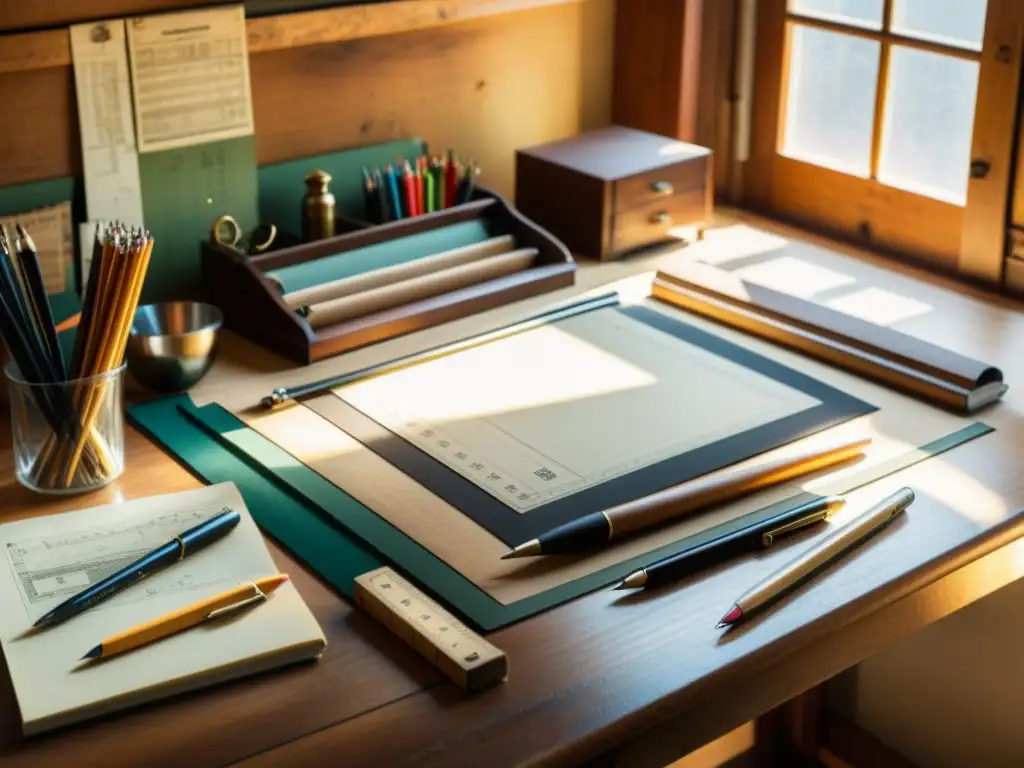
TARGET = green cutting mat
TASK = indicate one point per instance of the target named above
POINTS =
(339, 538)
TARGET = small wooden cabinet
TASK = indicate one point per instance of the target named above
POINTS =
(608, 192)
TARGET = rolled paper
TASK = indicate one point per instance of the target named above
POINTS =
(419, 288)
(349, 286)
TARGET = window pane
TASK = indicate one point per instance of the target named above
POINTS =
(830, 114)
(862, 13)
(929, 122)
(956, 22)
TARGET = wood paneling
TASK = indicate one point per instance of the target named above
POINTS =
(983, 244)
(483, 87)
(1017, 218)
(51, 48)
(657, 66)
(331, 25)
(59, 13)
(715, 93)
(38, 135)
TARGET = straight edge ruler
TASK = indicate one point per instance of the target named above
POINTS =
(463, 655)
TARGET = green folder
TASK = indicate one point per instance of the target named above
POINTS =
(339, 538)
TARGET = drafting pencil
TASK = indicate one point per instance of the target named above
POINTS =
(36, 300)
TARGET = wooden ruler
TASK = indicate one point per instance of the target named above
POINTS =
(463, 655)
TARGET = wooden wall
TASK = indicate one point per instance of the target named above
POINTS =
(483, 86)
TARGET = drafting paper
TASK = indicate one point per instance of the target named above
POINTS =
(44, 560)
(543, 427)
(561, 408)
(50, 229)
(113, 191)
(190, 78)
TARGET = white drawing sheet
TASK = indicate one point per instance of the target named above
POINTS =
(555, 410)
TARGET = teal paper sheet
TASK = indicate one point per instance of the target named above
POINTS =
(381, 255)
(340, 538)
(183, 191)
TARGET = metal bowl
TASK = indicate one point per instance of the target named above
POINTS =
(173, 344)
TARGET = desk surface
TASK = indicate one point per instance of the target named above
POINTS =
(600, 671)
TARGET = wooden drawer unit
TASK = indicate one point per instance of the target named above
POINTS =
(609, 192)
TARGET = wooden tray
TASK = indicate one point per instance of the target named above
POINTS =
(253, 306)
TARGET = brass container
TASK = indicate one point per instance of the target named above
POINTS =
(317, 207)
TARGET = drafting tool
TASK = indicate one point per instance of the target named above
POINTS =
(227, 603)
(282, 395)
(808, 563)
(464, 656)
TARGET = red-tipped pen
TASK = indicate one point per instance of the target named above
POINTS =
(731, 617)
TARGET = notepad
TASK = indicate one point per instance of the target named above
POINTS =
(48, 559)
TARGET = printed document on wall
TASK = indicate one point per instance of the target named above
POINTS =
(190, 78)
(112, 188)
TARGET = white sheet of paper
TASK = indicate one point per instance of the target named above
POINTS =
(45, 560)
(552, 411)
(50, 230)
(190, 77)
(113, 190)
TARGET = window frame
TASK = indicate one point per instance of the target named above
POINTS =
(970, 239)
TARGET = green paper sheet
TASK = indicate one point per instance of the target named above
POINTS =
(200, 437)
(183, 191)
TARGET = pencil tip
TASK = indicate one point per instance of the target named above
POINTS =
(526, 549)
(93, 653)
(731, 617)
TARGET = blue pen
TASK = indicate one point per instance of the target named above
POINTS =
(178, 548)
(396, 199)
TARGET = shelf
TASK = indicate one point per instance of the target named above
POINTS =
(51, 48)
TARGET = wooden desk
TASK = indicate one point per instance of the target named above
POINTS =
(603, 673)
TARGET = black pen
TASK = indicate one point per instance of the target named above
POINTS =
(178, 548)
(751, 537)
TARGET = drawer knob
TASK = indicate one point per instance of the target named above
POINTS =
(662, 187)
(661, 217)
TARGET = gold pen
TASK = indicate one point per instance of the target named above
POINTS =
(806, 564)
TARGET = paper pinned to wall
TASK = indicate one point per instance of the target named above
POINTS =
(190, 78)
(111, 163)
(50, 229)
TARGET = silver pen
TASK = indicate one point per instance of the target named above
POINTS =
(807, 563)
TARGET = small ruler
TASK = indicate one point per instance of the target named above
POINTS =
(463, 655)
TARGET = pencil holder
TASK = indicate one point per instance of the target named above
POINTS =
(68, 437)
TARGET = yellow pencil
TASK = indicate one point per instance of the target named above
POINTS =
(190, 616)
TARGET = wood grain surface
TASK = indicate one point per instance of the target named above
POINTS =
(467, 85)
(601, 671)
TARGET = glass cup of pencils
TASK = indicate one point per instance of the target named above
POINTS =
(67, 411)
(53, 452)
